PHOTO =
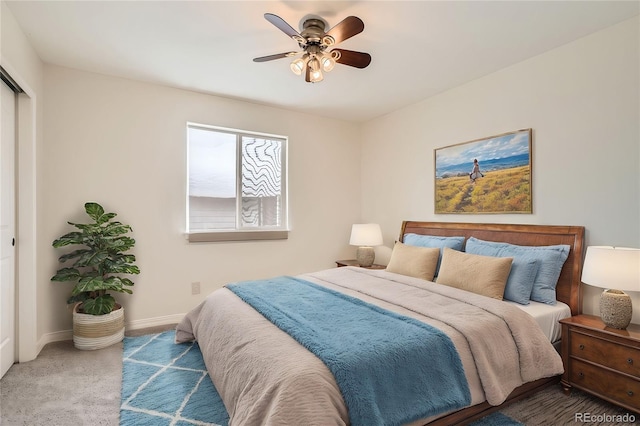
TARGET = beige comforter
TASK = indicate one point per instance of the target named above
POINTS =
(266, 377)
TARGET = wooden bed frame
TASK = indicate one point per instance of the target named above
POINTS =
(568, 289)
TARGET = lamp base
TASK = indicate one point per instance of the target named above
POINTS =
(365, 256)
(615, 308)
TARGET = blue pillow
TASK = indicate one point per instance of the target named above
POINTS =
(549, 259)
(434, 241)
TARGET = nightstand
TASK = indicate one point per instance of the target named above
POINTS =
(352, 262)
(601, 360)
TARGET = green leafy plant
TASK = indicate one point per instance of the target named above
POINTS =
(97, 268)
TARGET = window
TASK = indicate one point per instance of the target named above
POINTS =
(237, 185)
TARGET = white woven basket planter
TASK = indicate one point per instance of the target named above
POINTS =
(92, 332)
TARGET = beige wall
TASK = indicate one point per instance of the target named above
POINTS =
(122, 143)
(581, 101)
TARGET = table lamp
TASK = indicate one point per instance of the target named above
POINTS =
(616, 269)
(365, 236)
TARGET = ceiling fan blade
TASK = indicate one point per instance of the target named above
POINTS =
(353, 59)
(276, 56)
(282, 25)
(347, 28)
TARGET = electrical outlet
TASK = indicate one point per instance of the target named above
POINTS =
(195, 288)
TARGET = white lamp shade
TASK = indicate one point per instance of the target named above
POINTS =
(612, 267)
(366, 234)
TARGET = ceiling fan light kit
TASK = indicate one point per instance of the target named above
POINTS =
(315, 43)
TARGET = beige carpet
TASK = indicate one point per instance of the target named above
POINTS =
(65, 387)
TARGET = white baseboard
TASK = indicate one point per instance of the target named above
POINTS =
(153, 322)
(60, 336)
(56, 336)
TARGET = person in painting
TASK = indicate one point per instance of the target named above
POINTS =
(475, 173)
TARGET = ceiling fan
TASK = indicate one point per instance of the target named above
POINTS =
(315, 43)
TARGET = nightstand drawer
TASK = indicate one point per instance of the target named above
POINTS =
(620, 388)
(604, 352)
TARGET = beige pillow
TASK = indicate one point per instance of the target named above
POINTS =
(485, 275)
(413, 261)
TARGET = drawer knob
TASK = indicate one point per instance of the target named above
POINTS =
(581, 347)
(630, 393)
(581, 374)
(630, 361)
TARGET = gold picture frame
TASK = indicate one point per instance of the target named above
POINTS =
(498, 182)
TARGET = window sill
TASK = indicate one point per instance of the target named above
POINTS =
(205, 237)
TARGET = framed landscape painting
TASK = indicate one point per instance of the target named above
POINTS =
(489, 175)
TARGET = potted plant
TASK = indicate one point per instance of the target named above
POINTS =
(97, 270)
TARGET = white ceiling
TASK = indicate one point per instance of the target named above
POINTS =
(419, 48)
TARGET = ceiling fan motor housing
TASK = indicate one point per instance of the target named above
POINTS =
(313, 32)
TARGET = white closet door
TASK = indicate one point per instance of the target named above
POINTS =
(7, 228)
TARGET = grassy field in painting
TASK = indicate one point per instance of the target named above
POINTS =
(501, 191)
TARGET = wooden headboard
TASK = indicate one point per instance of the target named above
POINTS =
(568, 289)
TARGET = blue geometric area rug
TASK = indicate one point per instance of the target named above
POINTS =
(164, 383)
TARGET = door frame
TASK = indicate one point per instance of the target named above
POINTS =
(26, 219)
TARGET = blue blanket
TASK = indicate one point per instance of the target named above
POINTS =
(391, 369)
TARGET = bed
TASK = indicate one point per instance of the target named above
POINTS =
(265, 375)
